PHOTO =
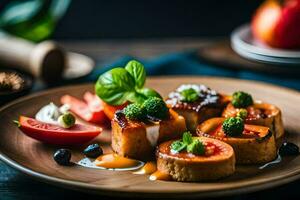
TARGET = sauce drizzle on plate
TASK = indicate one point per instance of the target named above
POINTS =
(112, 162)
(158, 175)
(148, 168)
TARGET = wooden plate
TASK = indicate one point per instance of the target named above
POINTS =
(35, 159)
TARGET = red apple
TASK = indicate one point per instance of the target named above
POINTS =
(277, 23)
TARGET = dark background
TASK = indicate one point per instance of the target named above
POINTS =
(97, 19)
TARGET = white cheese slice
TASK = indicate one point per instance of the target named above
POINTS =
(152, 133)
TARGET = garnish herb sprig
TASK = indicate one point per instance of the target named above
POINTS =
(189, 95)
(188, 143)
(241, 99)
(233, 126)
(121, 85)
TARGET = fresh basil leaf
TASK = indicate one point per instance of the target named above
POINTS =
(187, 138)
(136, 97)
(148, 92)
(178, 146)
(196, 147)
(137, 71)
(115, 86)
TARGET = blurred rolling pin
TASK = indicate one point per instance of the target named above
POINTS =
(45, 60)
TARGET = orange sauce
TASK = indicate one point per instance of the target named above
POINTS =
(114, 161)
(250, 131)
(158, 175)
(148, 168)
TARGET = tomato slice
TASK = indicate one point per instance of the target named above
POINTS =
(110, 110)
(95, 105)
(90, 112)
(53, 134)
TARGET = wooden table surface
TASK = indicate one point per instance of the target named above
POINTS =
(15, 185)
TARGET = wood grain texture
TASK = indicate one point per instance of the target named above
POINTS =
(35, 158)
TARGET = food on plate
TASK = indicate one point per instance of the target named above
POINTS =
(256, 113)
(90, 110)
(148, 168)
(277, 23)
(121, 86)
(62, 157)
(241, 99)
(116, 162)
(50, 113)
(55, 134)
(93, 151)
(110, 110)
(66, 120)
(231, 129)
(195, 159)
(289, 149)
(252, 144)
(137, 129)
(196, 103)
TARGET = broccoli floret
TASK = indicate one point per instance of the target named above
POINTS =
(233, 126)
(241, 99)
(156, 108)
(196, 147)
(243, 113)
(189, 95)
(134, 112)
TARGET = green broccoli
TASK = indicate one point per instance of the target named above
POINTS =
(156, 108)
(196, 147)
(241, 99)
(188, 143)
(134, 112)
(189, 95)
(243, 113)
(233, 126)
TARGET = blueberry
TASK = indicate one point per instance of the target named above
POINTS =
(93, 151)
(62, 157)
(288, 149)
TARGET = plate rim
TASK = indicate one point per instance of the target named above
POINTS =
(264, 59)
(281, 53)
(76, 185)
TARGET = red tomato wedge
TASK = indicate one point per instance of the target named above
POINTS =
(53, 134)
(92, 111)
(95, 105)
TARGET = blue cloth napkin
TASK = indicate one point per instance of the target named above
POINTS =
(187, 63)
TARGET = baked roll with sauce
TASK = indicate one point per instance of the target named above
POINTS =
(137, 138)
(196, 103)
(255, 144)
(263, 114)
(216, 160)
